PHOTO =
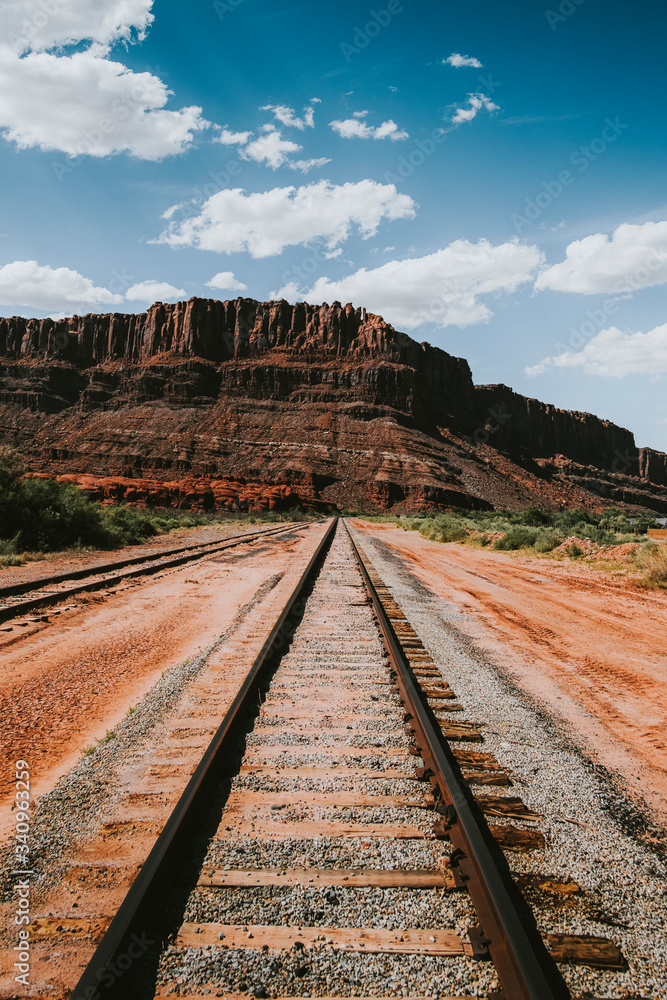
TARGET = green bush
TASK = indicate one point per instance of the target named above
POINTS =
(547, 541)
(444, 528)
(518, 537)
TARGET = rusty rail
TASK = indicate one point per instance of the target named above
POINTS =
(111, 573)
(140, 915)
(524, 966)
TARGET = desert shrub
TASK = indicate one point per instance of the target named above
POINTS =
(533, 517)
(573, 550)
(518, 537)
(444, 528)
(547, 541)
(595, 534)
(652, 560)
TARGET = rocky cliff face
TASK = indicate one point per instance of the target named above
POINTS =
(327, 399)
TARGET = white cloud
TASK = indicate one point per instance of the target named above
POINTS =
(84, 103)
(441, 288)
(307, 165)
(270, 148)
(355, 128)
(476, 102)
(287, 116)
(25, 283)
(614, 353)
(457, 60)
(228, 138)
(154, 291)
(635, 257)
(38, 26)
(227, 281)
(264, 223)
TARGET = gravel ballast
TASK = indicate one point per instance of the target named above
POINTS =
(590, 828)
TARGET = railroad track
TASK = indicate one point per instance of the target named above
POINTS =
(343, 833)
(22, 598)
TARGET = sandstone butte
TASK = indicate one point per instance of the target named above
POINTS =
(248, 405)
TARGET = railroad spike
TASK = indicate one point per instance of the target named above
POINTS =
(423, 773)
(480, 944)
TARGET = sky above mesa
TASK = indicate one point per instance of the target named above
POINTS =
(490, 178)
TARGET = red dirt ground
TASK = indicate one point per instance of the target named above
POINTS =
(590, 647)
(65, 683)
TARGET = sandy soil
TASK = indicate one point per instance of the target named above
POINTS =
(65, 562)
(64, 683)
(591, 648)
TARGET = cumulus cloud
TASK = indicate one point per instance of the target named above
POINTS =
(635, 257)
(356, 128)
(226, 280)
(39, 26)
(457, 60)
(154, 291)
(305, 166)
(228, 138)
(84, 103)
(27, 284)
(614, 353)
(270, 148)
(264, 223)
(288, 116)
(475, 104)
(443, 287)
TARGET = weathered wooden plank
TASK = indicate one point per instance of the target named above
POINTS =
(476, 759)
(323, 730)
(599, 953)
(333, 771)
(261, 829)
(498, 805)
(460, 731)
(298, 750)
(511, 838)
(370, 940)
(487, 778)
(240, 799)
(43, 928)
(232, 878)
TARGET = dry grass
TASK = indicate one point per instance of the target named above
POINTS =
(651, 560)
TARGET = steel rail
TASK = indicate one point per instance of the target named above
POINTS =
(100, 979)
(525, 968)
(148, 564)
(13, 589)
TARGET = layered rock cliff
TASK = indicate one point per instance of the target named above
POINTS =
(329, 400)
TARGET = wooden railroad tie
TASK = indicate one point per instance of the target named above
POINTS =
(240, 878)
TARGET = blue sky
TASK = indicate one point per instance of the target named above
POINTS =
(490, 177)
